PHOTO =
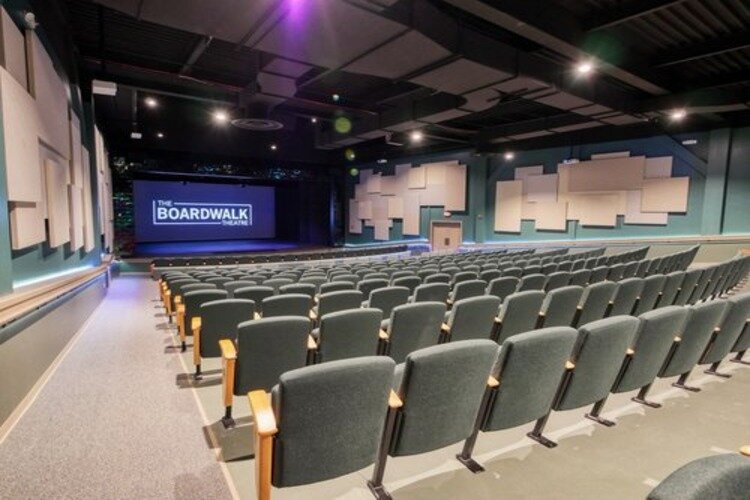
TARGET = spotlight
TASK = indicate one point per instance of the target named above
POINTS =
(416, 136)
(677, 115)
(151, 102)
(160, 135)
(509, 155)
(335, 97)
(221, 116)
(584, 68)
(313, 120)
(274, 147)
(382, 161)
(350, 154)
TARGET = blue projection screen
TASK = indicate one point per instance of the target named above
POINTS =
(173, 211)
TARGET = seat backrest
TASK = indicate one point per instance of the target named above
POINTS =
(599, 353)
(559, 306)
(288, 304)
(349, 334)
(468, 288)
(277, 283)
(580, 277)
(671, 288)
(410, 282)
(368, 285)
(557, 280)
(432, 292)
(331, 419)
(626, 295)
(254, 293)
(630, 269)
(414, 326)
(299, 288)
(231, 286)
(615, 272)
(701, 322)
(438, 278)
(219, 320)
(339, 301)
(688, 286)
(316, 280)
(489, 274)
(387, 298)
(732, 325)
(502, 287)
(598, 274)
(266, 348)
(519, 313)
(473, 318)
(464, 276)
(195, 299)
(516, 272)
(653, 341)
(595, 300)
(719, 477)
(219, 282)
(442, 388)
(184, 288)
(529, 368)
(336, 286)
(533, 281)
(652, 287)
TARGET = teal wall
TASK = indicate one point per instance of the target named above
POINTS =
(34, 263)
(719, 198)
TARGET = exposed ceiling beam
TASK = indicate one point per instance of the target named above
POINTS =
(703, 49)
(197, 52)
(695, 100)
(628, 11)
(533, 125)
(550, 27)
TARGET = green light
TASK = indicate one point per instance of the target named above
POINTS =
(342, 125)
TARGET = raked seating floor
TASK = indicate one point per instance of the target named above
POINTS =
(120, 418)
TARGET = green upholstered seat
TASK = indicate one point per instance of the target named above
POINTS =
(299, 288)
(254, 293)
(385, 299)
(652, 287)
(559, 306)
(431, 292)
(219, 320)
(732, 326)
(472, 318)
(348, 334)
(338, 301)
(516, 272)
(468, 288)
(438, 278)
(368, 285)
(276, 283)
(580, 277)
(595, 301)
(688, 286)
(557, 280)
(534, 281)
(462, 276)
(626, 296)
(288, 304)
(414, 326)
(231, 286)
(519, 313)
(598, 274)
(502, 287)
(193, 300)
(410, 282)
(672, 283)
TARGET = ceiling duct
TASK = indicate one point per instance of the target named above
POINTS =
(255, 114)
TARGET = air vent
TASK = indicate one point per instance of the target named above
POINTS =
(257, 124)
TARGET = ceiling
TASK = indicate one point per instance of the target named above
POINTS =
(485, 74)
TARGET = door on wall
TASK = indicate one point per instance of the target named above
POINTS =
(445, 235)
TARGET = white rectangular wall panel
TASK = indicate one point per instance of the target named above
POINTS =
(381, 232)
(634, 215)
(88, 208)
(26, 225)
(614, 174)
(417, 178)
(521, 173)
(616, 154)
(373, 183)
(411, 214)
(388, 185)
(360, 192)
(396, 207)
(455, 188)
(436, 174)
(75, 207)
(58, 214)
(508, 199)
(595, 209)
(355, 223)
(551, 216)
(13, 51)
(540, 188)
(364, 210)
(76, 167)
(51, 98)
(658, 167)
(665, 195)
(20, 139)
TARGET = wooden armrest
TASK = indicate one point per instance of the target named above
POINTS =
(313, 316)
(383, 335)
(394, 401)
(195, 323)
(717, 329)
(542, 314)
(316, 299)
(569, 365)
(311, 344)
(678, 339)
(228, 350)
(260, 406)
(630, 352)
(449, 301)
(256, 315)
(180, 308)
(745, 450)
(178, 299)
(493, 382)
(445, 328)
(498, 321)
(579, 308)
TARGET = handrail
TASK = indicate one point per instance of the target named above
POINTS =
(20, 303)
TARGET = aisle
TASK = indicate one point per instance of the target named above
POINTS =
(111, 423)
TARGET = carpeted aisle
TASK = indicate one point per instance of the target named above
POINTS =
(110, 423)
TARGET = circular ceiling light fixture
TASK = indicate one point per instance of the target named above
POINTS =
(257, 124)
(509, 155)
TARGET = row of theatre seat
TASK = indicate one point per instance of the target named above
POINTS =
(256, 352)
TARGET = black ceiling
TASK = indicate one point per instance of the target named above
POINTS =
(487, 74)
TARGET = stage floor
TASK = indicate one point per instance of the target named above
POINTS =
(184, 248)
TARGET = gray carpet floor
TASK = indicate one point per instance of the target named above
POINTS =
(109, 423)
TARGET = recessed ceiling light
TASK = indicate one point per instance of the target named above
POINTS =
(274, 147)
(160, 135)
(314, 120)
(416, 136)
(382, 160)
(221, 116)
(584, 67)
(135, 135)
(335, 97)
(509, 155)
(151, 102)
(677, 115)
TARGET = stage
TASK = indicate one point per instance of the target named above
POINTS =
(190, 248)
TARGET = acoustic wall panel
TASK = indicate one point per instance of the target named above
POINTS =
(604, 156)
(26, 224)
(381, 231)
(20, 138)
(612, 174)
(13, 51)
(364, 210)
(436, 174)
(396, 207)
(634, 215)
(521, 173)
(551, 216)
(355, 223)
(389, 185)
(665, 195)
(75, 207)
(508, 199)
(417, 178)
(411, 214)
(58, 213)
(596, 210)
(88, 206)
(455, 188)
(76, 166)
(373, 183)
(660, 166)
(540, 188)
(51, 98)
